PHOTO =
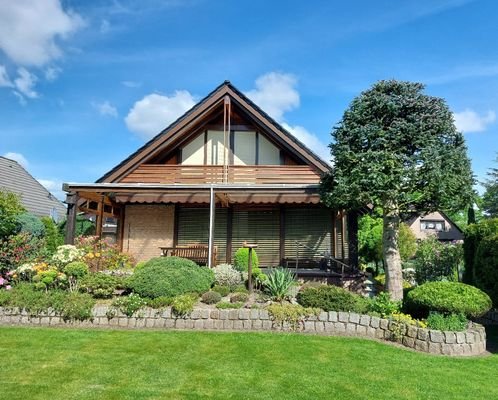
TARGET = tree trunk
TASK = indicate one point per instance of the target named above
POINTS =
(390, 250)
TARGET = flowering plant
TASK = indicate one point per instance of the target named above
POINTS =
(101, 254)
(18, 249)
(67, 253)
(48, 276)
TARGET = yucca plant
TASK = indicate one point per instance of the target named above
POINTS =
(278, 283)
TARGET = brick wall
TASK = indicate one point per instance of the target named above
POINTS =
(148, 226)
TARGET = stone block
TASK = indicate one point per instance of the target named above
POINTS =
(313, 318)
(411, 331)
(267, 325)
(466, 349)
(180, 323)
(170, 323)
(205, 313)
(244, 314)
(166, 313)
(257, 324)
(233, 314)
(333, 316)
(55, 320)
(340, 327)
(215, 314)
(189, 323)
(408, 341)
(375, 322)
(247, 324)
(223, 314)
(319, 326)
(323, 316)
(460, 337)
(343, 316)
(198, 324)
(309, 326)
(365, 320)
(350, 329)
(434, 348)
(158, 322)
(195, 314)
(371, 332)
(361, 330)
(263, 314)
(436, 336)
(140, 323)
(458, 349)
(122, 321)
(380, 333)
(449, 337)
(354, 318)
(254, 313)
(237, 324)
(421, 345)
(218, 324)
(423, 334)
(470, 337)
(384, 324)
(329, 327)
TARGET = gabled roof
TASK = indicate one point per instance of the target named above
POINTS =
(189, 120)
(34, 196)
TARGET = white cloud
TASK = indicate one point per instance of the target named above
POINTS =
(52, 73)
(131, 84)
(4, 77)
(105, 26)
(106, 109)
(155, 112)
(30, 31)
(275, 93)
(24, 83)
(470, 121)
(54, 187)
(17, 157)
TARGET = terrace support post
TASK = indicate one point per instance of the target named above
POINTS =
(352, 223)
(100, 217)
(212, 207)
(72, 211)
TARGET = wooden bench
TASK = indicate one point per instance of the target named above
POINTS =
(198, 253)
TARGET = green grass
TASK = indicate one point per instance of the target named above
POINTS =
(40, 363)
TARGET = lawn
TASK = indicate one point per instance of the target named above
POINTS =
(41, 363)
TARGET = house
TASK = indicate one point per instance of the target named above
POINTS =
(34, 196)
(436, 224)
(223, 174)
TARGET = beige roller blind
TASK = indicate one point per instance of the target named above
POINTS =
(268, 153)
(193, 152)
(244, 148)
(215, 147)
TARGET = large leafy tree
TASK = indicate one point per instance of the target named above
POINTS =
(490, 196)
(398, 149)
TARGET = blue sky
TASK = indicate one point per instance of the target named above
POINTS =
(84, 83)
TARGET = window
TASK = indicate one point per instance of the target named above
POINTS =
(437, 226)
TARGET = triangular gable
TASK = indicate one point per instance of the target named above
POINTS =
(201, 110)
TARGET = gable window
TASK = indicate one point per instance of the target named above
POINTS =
(243, 148)
(432, 225)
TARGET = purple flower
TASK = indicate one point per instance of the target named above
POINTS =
(8, 287)
(2, 281)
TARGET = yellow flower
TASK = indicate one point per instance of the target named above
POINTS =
(90, 255)
(97, 254)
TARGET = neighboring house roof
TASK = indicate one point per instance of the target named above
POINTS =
(166, 137)
(451, 231)
(34, 196)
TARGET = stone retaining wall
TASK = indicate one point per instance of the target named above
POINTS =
(468, 343)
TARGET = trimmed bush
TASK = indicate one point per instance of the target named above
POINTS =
(170, 277)
(183, 305)
(239, 297)
(211, 297)
(223, 290)
(99, 285)
(447, 298)
(486, 267)
(159, 302)
(75, 271)
(226, 275)
(77, 307)
(31, 224)
(332, 298)
(241, 260)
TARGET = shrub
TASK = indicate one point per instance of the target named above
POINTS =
(222, 290)
(332, 298)
(10, 209)
(99, 285)
(77, 307)
(448, 298)
(48, 277)
(160, 302)
(240, 289)
(239, 298)
(473, 235)
(65, 254)
(278, 283)
(226, 275)
(211, 297)
(102, 255)
(451, 322)
(383, 305)
(241, 260)
(130, 304)
(292, 314)
(170, 277)
(183, 305)
(486, 267)
(18, 249)
(381, 280)
(436, 261)
(75, 271)
(30, 224)
(225, 305)
(53, 238)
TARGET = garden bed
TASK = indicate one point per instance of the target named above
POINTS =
(467, 343)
